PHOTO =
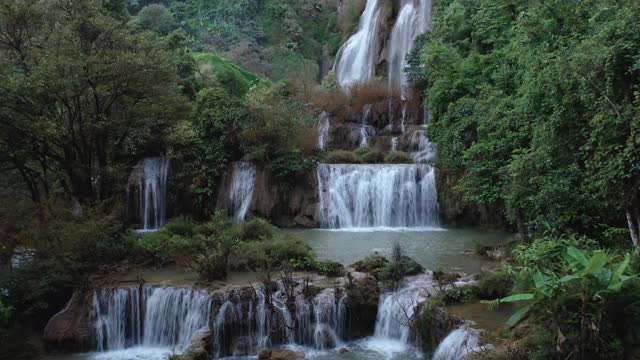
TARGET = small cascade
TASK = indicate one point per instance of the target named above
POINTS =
(117, 313)
(396, 308)
(150, 180)
(422, 150)
(413, 19)
(458, 344)
(394, 143)
(356, 59)
(244, 177)
(365, 129)
(173, 316)
(365, 196)
(160, 317)
(323, 130)
(426, 117)
(403, 123)
(250, 320)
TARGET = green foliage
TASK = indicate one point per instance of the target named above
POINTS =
(217, 71)
(535, 108)
(125, 104)
(330, 268)
(398, 157)
(290, 165)
(156, 17)
(272, 253)
(577, 297)
(256, 229)
(281, 123)
(6, 312)
(341, 157)
(369, 155)
(213, 263)
(494, 284)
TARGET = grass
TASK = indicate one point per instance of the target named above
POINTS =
(227, 74)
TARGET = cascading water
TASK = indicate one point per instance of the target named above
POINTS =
(394, 143)
(152, 317)
(458, 344)
(365, 129)
(244, 177)
(323, 130)
(366, 196)
(422, 150)
(252, 320)
(413, 19)
(356, 59)
(150, 177)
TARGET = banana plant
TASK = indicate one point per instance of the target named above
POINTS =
(595, 273)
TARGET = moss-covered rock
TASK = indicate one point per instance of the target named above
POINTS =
(372, 264)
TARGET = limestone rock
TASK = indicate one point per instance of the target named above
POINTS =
(280, 354)
(71, 328)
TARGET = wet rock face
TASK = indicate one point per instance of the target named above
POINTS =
(434, 326)
(200, 348)
(71, 328)
(361, 305)
(285, 205)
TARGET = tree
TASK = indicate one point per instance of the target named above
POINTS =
(82, 94)
(156, 17)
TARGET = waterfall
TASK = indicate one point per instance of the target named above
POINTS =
(396, 308)
(394, 143)
(173, 316)
(356, 59)
(458, 344)
(244, 177)
(250, 320)
(422, 150)
(413, 19)
(160, 317)
(323, 130)
(365, 129)
(150, 178)
(364, 196)
(117, 314)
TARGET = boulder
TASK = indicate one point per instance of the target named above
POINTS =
(200, 348)
(361, 305)
(280, 354)
(371, 264)
(433, 326)
(71, 329)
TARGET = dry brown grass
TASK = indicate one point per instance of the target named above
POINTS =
(371, 92)
(333, 101)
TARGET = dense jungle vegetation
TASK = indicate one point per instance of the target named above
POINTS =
(536, 118)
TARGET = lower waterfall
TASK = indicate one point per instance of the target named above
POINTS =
(149, 316)
(366, 196)
(458, 344)
(242, 182)
(250, 320)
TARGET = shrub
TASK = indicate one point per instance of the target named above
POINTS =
(372, 157)
(398, 157)
(330, 268)
(163, 247)
(213, 264)
(256, 229)
(341, 157)
(270, 254)
(289, 165)
(181, 225)
(494, 284)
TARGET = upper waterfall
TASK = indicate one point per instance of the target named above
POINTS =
(364, 196)
(413, 19)
(356, 59)
(242, 182)
(150, 179)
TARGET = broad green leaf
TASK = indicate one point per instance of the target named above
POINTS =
(568, 278)
(517, 297)
(576, 259)
(518, 316)
(597, 262)
(542, 283)
(623, 266)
